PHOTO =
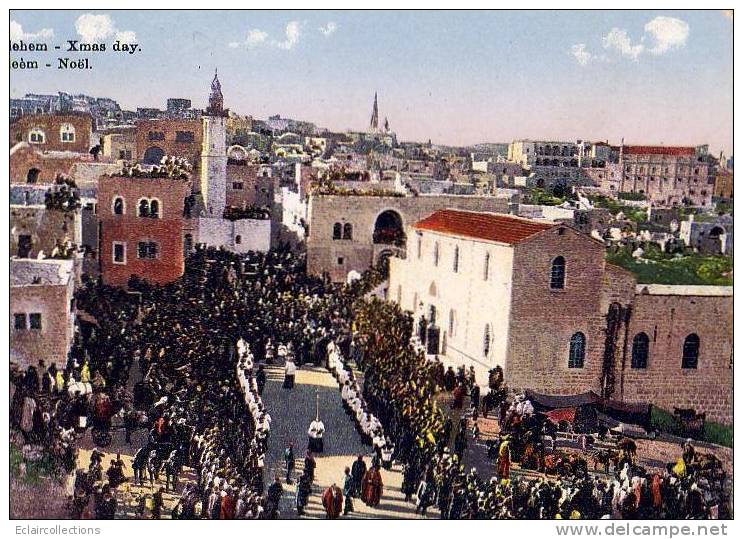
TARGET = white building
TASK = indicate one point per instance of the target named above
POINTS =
(458, 274)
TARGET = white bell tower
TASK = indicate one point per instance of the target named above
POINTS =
(214, 153)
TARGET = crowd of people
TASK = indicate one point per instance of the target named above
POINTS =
(203, 404)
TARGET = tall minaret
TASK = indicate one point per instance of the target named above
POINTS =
(214, 152)
(374, 123)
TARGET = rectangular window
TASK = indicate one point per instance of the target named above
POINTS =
(156, 135)
(119, 252)
(20, 321)
(237, 186)
(34, 320)
(125, 154)
(184, 136)
(147, 250)
(68, 136)
(340, 260)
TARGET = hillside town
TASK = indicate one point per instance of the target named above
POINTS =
(216, 316)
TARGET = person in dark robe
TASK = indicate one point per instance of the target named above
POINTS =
(475, 396)
(273, 498)
(310, 465)
(458, 395)
(409, 478)
(371, 487)
(358, 469)
(450, 379)
(289, 460)
(304, 489)
(260, 379)
(115, 472)
(332, 501)
(157, 503)
(348, 491)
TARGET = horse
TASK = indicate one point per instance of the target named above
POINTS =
(604, 458)
(173, 467)
(154, 465)
(139, 463)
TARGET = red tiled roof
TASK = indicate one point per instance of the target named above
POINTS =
(486, 226)
(660, 150)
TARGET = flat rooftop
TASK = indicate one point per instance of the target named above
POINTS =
(683, 290)
(29, 272)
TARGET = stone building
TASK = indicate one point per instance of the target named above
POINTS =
(350, 233)
(120, 145)
(666, 175)
(708, 237)
(141, 228)
(54, 132)
(42, 311)
(248, 184)
(35, 229)
(538, 299)
(158, 138)
(29, 165)
(724, 183)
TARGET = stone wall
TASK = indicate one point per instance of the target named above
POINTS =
(169, 145)
(339, 257)
(46, 228)
(51, 124)
(237, 236)
(246, 187)
(166, 231)
(25, 158)
(668, 320)
(52, 342)
(543, 320)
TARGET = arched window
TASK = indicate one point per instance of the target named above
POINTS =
(348, 231)
(690, 357)
(486, 268)
(143, 208)
(577, 351)
(155, 209)
(238, 239)
(557, 275)
(337, 229)
(640, 347)
(486, 341)
(36, 136)
(67, 133)
(455, 265)
(436, 254)
(118, 206)
(33, 175)
(452, 323)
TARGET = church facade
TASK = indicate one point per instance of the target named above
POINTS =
(538, 299)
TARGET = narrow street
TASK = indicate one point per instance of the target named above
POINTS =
(291, 411)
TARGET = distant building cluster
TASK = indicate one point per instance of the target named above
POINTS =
(501, 249)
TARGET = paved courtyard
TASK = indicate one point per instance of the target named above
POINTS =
(291, 411)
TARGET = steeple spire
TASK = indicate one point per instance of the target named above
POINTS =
(374, 123)
(216, 99)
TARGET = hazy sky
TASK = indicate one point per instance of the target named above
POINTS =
(454, 77)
